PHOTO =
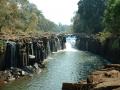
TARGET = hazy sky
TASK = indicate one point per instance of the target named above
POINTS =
(57, 10)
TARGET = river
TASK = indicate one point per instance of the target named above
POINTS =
(69, 65)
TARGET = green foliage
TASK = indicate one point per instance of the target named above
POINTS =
(89, 16)
(2, 44)
(64, 28)
(115, 44)
(102, 36)
(112, 16)
(17, 16)
(8, 14)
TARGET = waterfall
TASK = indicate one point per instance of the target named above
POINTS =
(58, 44)
(70, 43)
(48, 46)
(13, 55)
(31, 51)
(55, 45)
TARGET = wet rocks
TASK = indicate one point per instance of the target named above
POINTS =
(16, 73)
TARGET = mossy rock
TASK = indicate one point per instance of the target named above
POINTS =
(2, 45)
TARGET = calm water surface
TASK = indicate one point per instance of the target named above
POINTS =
(69, 65)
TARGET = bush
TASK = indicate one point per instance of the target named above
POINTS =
(2, 44)
(102, 36)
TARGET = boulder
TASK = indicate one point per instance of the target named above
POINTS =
(36, 66)
(112, 73)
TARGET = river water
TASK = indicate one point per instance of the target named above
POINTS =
(69, 65)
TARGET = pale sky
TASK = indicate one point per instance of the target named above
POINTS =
(57, 10)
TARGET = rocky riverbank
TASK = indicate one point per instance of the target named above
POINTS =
(107, 78)
(25, 56)
(109, 48)
(15, 73)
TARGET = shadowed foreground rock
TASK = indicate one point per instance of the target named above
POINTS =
(107, 78)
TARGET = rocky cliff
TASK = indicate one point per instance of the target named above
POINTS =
(109, 49)
(23, 56)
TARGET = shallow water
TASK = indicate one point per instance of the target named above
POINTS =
(69, 65)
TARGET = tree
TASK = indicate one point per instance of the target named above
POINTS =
(112, 16)
(89, 16)
(8, 15)
(18, 16)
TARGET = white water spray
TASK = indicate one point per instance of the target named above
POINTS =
(70, 43)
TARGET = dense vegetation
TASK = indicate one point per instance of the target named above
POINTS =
(20, 17)
(94, 16)
(111, 18)
(89, 16)
(100, 19)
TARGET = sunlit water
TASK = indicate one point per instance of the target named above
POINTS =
(69, 65)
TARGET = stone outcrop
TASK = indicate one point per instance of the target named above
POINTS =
(110, 49)
(107, 78)
(26, 51)
(25, 56)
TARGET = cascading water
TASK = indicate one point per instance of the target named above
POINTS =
(70, 44)
(48, 46)
(13, 54)
(58, 44)
(32, 51)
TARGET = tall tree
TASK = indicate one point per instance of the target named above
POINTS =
(18, 16)
(89, 16)
(8, 15)
(112, 16)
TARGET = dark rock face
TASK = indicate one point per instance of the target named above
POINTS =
(28, 51)
(25, 56)
(1, 61)
(10, 55)
(110, 49)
